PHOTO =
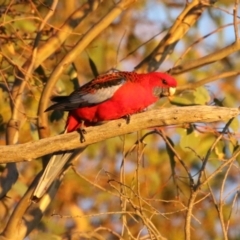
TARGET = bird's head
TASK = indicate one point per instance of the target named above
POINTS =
(164, 84)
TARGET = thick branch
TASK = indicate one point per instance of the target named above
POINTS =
(183, 23)
(148, 119)
(208, 59)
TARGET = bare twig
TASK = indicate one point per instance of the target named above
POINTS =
(123, 191)
(210, 58)
(225, 129)
(235, 14)
(191, 182)
(233, 203)
(201, 39)
(219, 169)
(194, 85)
(221, 203)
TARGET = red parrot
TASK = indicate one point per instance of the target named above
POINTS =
(107, 97)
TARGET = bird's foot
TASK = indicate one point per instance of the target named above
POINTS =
(82, 132)
(127, 117)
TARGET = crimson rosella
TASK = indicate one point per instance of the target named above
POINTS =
(107, 97)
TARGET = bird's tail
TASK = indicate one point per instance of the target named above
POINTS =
(59, 103)
(62, 103)
(52, 170)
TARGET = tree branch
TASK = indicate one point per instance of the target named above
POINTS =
(93, 32)
(210, 58)
(194, 85)
(183, 23)
(148, 119)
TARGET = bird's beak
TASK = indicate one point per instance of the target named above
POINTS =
(167, 92)
(172, 91)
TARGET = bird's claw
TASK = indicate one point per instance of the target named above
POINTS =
(127, 117)
(82, 131)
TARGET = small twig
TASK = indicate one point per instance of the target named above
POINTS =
(162, 134)
(208, 59)
(110, 231)
(140, 151)
(221, 203)
(233, 203)
(93, 182)
(205, 160)
(201, 39)
(219, 169)
(118, 48)
(194, 85)
(141, 45)
(235, 14)
(123, 202)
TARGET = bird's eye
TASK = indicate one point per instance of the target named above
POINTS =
(164, 81)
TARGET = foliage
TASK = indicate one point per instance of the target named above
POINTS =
(177, 182)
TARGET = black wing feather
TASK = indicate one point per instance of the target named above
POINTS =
(61, 103)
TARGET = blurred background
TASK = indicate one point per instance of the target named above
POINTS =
(122, 188)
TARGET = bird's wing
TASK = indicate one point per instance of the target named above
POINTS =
(96, 91)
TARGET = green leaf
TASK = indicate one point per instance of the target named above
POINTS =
(234, 125)
(189, 139)
(199, 96)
